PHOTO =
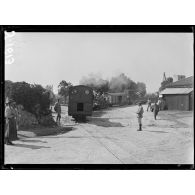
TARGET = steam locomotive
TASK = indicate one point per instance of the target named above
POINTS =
(80, 102)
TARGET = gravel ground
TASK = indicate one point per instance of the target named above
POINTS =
(109, 137)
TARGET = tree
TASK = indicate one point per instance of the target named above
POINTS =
(170, 79)
(8, 88)
(141, 88)
(63, 89)
(122, 83)
(49, 89)
(150, 95)
(165, 83)
(28, 95)
(132, 91)
(119, 83)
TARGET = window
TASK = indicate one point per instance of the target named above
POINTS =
(79, 106)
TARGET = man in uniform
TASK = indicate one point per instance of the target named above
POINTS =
(57, 108)
(140, 112)
(156, 110)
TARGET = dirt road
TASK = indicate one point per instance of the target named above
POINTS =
(110, 136)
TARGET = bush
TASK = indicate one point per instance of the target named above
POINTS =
(47, 120)
(29, 96)
(27, 119)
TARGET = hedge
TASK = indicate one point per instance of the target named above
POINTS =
(34, 98)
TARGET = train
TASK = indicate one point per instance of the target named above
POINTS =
(80, 104)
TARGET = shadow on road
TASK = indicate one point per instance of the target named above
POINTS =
(39, 132)
(97, 119)
(66, 130)
(33, 141)
(98, 113)
(29, 146)
(158, 131)
(82, 137)
(104, 122)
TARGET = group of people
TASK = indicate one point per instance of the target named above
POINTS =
(140, 111)
(11, 121)
(12, 117)
(155, 109)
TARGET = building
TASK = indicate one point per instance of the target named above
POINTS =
(183, 83)
(179, 95)
(118, 98)
(178, 77)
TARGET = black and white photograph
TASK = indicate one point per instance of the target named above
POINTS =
(98, 98)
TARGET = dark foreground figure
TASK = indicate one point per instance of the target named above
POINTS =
(156, 110)
(140, 112)
(10, 123)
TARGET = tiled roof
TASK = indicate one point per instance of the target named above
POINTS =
(176, 91)
(187, 82)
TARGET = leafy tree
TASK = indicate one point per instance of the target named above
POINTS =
(132, 91)
(29, 95)
(63, 88)
(165, 83)
(119, 83)
(141, 88)
(8, 88)
(170, 79)
(122, 83)
(49, 89)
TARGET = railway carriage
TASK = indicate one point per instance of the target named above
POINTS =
(80, 102)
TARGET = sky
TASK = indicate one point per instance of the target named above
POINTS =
(48, 58)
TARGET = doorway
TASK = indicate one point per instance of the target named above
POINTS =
(119, 99)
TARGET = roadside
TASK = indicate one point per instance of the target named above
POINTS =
(109, 136)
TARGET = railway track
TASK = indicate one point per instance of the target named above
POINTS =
(114, 148)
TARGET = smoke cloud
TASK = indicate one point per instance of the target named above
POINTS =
(119, 83)
(93, 80)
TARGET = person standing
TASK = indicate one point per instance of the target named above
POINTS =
(57, 108)
(162, 104)
(159, 103)
(140, 112)
(16, 113)
(13, 131)
(156, 110)
(10, 122)
(149, 104)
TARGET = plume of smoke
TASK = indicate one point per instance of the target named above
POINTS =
(119, 83)
(93, 80)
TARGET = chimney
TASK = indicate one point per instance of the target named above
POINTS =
(178, 77)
